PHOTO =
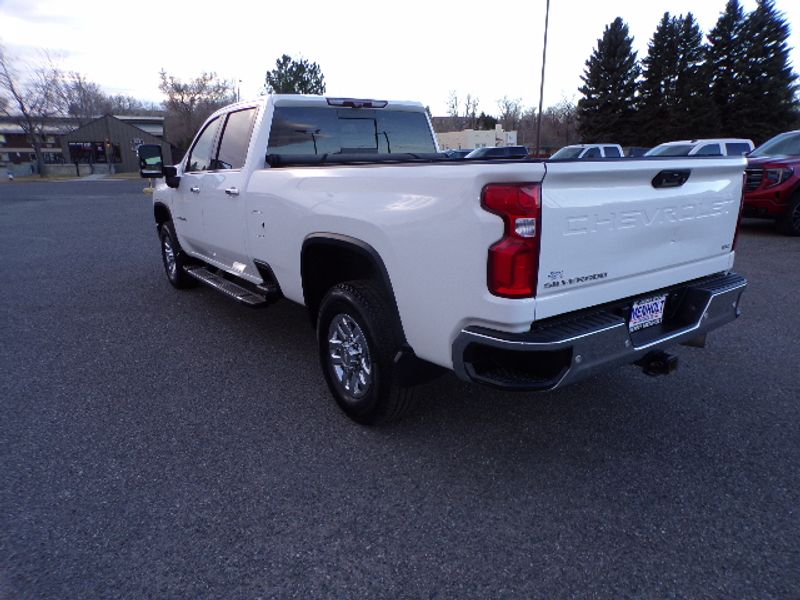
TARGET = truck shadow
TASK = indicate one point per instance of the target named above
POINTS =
(620, 411)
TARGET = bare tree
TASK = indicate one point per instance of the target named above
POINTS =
(452, 104)
(526, 127)
(82, 98)
(471, 110)
(128, 105)
(86, 100)
(189, 104)
(31, 98)
(510, 112)
(564, 117)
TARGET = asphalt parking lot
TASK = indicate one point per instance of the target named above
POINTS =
(165, 444)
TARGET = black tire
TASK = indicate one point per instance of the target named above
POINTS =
(365, 383)
(790, 222)
(173, 257)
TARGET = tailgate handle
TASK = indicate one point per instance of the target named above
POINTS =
(671, 179)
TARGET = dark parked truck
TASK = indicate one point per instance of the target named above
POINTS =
(772, 187)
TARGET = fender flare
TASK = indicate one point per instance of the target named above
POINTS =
(411, 370)
(354, 244)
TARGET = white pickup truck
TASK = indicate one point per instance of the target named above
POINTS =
(518, 274)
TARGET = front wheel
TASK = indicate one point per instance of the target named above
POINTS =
(790, 224)
(358, 333)
(173, 257)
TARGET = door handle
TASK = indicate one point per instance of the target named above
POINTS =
(671, 179)
(232, 191)
(194, 190)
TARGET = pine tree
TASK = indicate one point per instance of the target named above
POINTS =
(695, 115)
(606, 111)
(725, 61)
(658, 88)
(769, 83)
(674, 101)
(292, 76)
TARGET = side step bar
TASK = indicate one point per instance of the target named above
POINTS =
(268, 293)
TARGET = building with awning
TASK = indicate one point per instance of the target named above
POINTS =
(104, 143)
(112, 142)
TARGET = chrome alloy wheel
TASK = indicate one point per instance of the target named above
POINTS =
(169, 256)
(349, 356)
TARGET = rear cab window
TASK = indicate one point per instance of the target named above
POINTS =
(736, 148)
(612, 152)
(319, 130)
(709, 150)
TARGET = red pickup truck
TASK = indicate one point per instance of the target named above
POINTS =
(772, 187)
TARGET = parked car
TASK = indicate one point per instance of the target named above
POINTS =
(499, 152)
(460, 153)
(772, 188)
(589, 151)
(710, 147)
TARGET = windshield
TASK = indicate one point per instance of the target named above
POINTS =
(479, 152)
(670, 150)
(568, 152)
(785, 144)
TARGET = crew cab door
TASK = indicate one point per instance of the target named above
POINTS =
(223, 200)
(196, 185)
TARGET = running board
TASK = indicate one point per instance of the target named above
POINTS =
(234, 290)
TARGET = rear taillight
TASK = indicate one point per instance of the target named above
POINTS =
(513, 263)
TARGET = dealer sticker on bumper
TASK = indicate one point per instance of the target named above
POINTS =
(647, 312)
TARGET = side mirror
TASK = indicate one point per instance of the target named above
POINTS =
(151, 162)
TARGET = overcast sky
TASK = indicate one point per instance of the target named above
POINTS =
(408, 50)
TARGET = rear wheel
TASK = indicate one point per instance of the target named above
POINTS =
(173, 256)
(790, 223)
(358, 333)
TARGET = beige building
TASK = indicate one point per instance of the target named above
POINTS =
(476, 138)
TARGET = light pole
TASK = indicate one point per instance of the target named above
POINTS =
(541, 87)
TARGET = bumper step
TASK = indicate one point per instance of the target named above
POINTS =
(569, 348)
(266, 294)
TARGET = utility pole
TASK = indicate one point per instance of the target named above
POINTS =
(541, 87)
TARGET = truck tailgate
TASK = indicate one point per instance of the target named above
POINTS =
(610, 231)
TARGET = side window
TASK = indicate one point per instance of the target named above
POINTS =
(709, 150)
(235, 139)
(593, 152)
(612, 152)
(201, 152)
(737, 149)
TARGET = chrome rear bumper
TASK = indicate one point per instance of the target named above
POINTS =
(568, 348)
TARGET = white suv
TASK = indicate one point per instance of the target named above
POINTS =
(711, 147)
(589, 151)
